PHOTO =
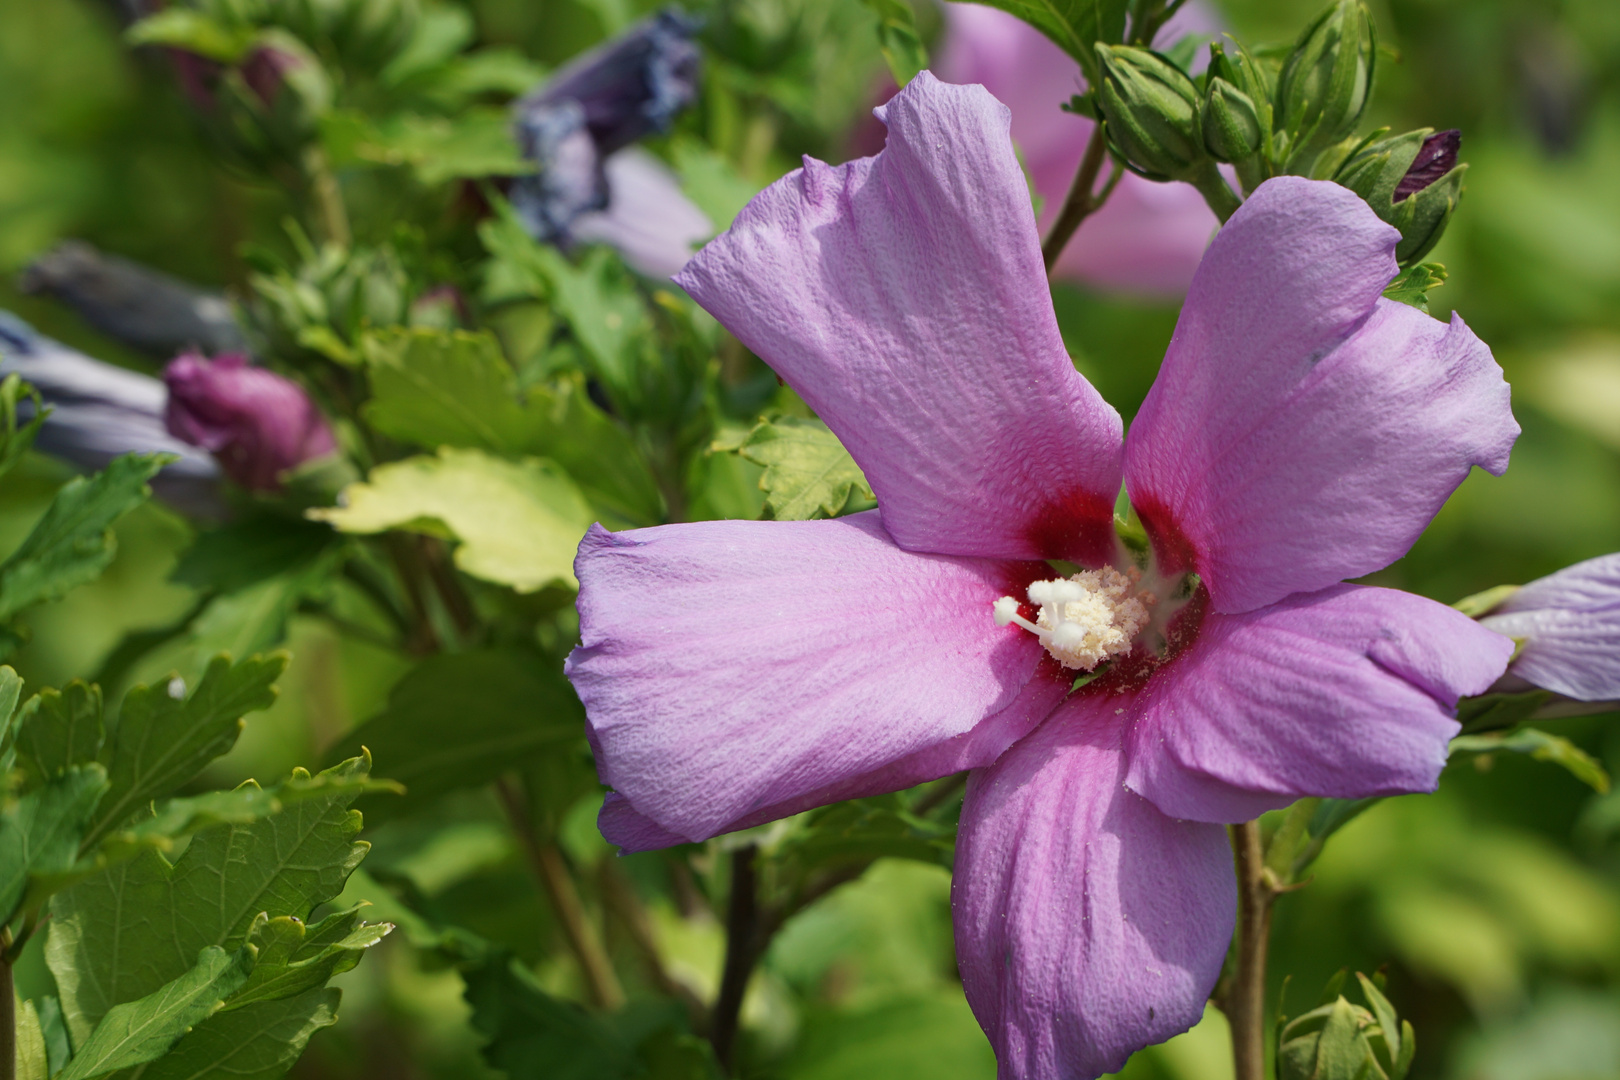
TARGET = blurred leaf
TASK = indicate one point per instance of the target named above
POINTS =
(1542, 746)
(531, 1033)
(53, 1029)
(163, 740)
(59, 728)
(519, 522)
(461, 721)
(1413, 285)
(193, 31)
(294, 959)
(477, 143)
(139, 1031)
(898, 39)
(711, 182)
(1483, 603)
(15, 441)
(860, 830)
(1491, 712)
(440, 33)
(124, 932)
(932, 1038)
(259, 1042)
(1075, 25)
(247, 550)
(40, 833)
(73, 542)
(32, 1061)
(808, 473)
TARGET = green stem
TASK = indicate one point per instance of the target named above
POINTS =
(1244, 998)
(1216, 192)
(328, 196)
(742, 950)
(1082, 200)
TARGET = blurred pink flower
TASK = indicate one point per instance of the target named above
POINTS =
(1569, 623)
(1149, 236)
(256, 423)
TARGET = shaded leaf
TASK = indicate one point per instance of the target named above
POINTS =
(531, 1033)
(58, 728)
(162, 741)
(477, 143)
(192, 31)
(248, 550)
(40, 833)
(1542, 746)
(73, 543)
(295, 958)
(33, 1062)
(925, 1038)
(808, 473)
(519, 522)
(139, 1031)
(898, 40)
(461, 720)
(125, 931)
(1075, 25)
(259, 1042)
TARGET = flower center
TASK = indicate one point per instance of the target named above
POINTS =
(1085, 619)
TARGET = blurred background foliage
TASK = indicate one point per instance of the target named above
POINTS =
(1494, 905)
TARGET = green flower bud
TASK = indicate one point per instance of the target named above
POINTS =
(1329, 1043)
(1246, 73)
(1233, 129)
(1412, 181)
(1151, 107)
(1326, 82)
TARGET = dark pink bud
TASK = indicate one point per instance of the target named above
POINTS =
(265, 71)
(1436, 157)
(198, 77)
(255, 423)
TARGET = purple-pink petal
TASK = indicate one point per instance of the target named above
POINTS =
(1149, 236)
(904, 298)
(1302, 429)
(1570, 625)
(1349, 692)
(737, 671)
(648, 219)
(1088, 924)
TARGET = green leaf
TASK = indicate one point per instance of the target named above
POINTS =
(861, 830)
(294, 958)
(923, 1038)
(1413, 285)
(531, 1033)
(1075, 25)
(435, 389)
(1494, 712)
(461, 720)
(162, 741)
(248, 550)
(192, 31)
(710, 181)
(139, 1031)
(58, 728)
(1542, 746)
(1388, 1025)
(519, 522)
(54, 1031)
(808, 473)
(125, 931)
(259, 1042)
(33, 1063)
(477, 143)
(73, 542)
(898, 39)
(15, 440)
(40, 833)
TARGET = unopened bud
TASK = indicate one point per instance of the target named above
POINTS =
(1330, 1041)
(1412, 181)
(1326, 82)
(256, 423)
(1151, 107)
(1233, 129)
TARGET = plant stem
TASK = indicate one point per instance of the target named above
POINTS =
(8, 1021)
(742, 949)
(621, 899)
(323, 186)
(601, 983)
(1216, 192)
(1244, 1000)
(1082, 199)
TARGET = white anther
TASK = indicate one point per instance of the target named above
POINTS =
(1085, 619)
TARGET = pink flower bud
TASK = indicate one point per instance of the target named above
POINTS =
(256, 423)
(265, 71)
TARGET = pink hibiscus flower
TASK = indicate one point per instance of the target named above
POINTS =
(1302, 430)
(1569, 623)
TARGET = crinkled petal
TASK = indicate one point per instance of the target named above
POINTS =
(648, 219)
(1088, 924)
(904, 298)
(1148, 236)
(738, 671)
(1302, 430)
(1570, 625)
(1349, 692)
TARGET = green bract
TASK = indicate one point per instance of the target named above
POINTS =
(1376, 168)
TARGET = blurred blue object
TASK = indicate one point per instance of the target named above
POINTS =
(100, 412)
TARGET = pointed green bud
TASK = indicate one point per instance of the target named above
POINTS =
(1412, 181)
(1151, 107)
(1326, 82)
(1232, 124)
(1329, 1043)
(1243, 71)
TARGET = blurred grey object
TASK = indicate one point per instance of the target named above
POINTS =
(138, 306)
(100, 412)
